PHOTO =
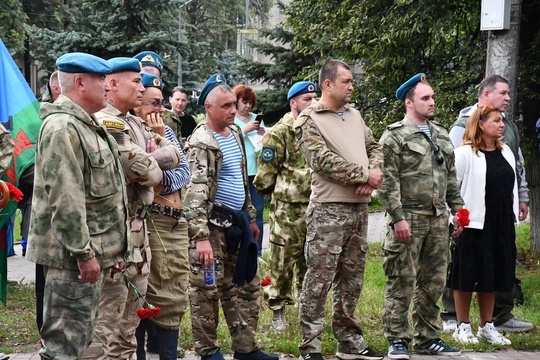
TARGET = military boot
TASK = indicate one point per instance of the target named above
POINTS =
(279, 322)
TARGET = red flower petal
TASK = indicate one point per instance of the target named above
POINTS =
(463, 217)
(15, 193)
(266, 281)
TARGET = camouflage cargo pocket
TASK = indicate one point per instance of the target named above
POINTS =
(66, 293)
(101, 168)
(395, 259)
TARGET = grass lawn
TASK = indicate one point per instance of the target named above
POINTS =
(18, 331)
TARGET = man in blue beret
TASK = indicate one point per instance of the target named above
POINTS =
(420, 186)
(345, 162)
(168, 237)
(151, 62)
(78, 227)
(144, 156)
(282, 172)
(217, 203)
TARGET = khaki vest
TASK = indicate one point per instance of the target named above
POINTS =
(346, 136)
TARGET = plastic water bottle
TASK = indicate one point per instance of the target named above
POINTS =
(210, 273)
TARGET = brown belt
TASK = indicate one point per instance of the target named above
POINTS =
(167, 211)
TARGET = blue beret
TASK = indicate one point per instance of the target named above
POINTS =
(402, 91)
(211, 83)
(150, 58)
(149, 80)
(301, 87)
(120, 64)
(82, 63)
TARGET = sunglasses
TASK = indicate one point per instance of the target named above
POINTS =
(156, 104)
(437, 151)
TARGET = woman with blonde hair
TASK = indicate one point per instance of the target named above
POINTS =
(485, 253)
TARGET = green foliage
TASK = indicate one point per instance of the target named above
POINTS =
(107, 28)
(393, 40)
(12, 21)
(210, 30)
(273, 104)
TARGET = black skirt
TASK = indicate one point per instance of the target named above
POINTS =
(484, 260)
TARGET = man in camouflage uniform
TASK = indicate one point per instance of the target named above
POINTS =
(420, 184)
(345, 160)
(218, 173)
(283, 173)
(144, 156)
(79, 216)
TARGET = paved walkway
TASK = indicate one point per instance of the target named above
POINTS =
(506, 355)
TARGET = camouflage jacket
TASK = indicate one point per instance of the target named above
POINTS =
(414, 182)
(205, 160)
(282, 169)
(79, 206)
(170, 119)
(141, 168)
(6, 149)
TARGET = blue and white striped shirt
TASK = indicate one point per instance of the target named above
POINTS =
(175, 179)
(230, 190)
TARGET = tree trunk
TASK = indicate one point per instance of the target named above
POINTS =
(533, 178)
(502, 55)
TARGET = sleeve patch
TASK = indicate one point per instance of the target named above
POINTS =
(113, 124)
(268, 154)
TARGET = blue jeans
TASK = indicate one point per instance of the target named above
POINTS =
(258, 202)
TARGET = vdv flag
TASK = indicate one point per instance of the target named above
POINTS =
(19, 113)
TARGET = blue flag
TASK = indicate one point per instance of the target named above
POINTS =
(19, 113)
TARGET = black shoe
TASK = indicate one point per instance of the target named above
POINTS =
(366, 354)
(313, 356)
(255, 355)
(438, 347)
(214, 356)
(398, 350)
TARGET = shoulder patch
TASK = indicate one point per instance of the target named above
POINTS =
(114, 124)
(268, 154)
(394, 125)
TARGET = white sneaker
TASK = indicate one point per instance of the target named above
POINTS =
(449, 325)
(491, 335)
(463, 334)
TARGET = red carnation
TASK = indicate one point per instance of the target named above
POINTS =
(266, 281)
(150, 311)
(463, 217)
(14, 191)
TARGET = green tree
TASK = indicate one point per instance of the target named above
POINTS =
(108, 28)
(211, 31)
(12, 22)
(287, 66)
(393, 40)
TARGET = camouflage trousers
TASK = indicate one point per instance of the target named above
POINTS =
(70, 309)
(114, 337)
(415, 271)
(287, 264)
(335, 251)
(168, 281)
(240, 304)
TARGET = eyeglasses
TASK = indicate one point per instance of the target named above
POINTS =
(156, 104)
(437, 151)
